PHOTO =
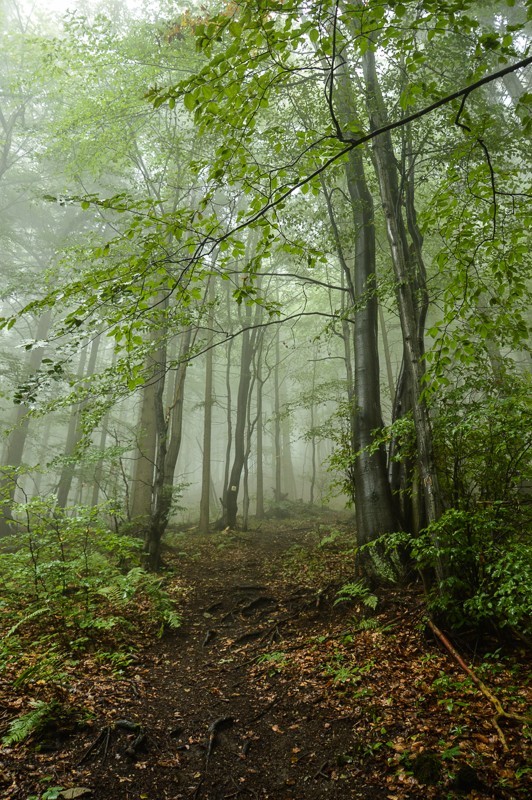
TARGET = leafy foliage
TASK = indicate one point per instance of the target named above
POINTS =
(71, 584)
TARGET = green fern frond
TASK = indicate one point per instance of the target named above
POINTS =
(27, 618)
(30, 723)
(172, 619)
(357, 591)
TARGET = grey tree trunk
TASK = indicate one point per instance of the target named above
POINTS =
(143, 473)
(169, 436)
(204, 519)
(374, 507)
(405, 277)
(259, 503)
(75, 432)
(14, 450)
(230, 499)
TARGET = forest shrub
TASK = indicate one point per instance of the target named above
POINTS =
(483, 441)
(70, 583)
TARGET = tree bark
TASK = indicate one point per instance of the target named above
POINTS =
(169, 436)
(259, 502)
(14, 450)
(143, 474)
(374, 508)
(74, 432)
(405, 277)
(207, 419)
(231, 490)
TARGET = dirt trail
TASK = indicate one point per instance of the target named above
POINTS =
(219, 722)
(270, 691)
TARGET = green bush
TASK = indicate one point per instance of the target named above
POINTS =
(486, 580)
(483, 439)
(70, 584)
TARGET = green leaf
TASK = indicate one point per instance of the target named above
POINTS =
(189, 101)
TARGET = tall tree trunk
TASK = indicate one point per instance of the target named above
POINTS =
(169, 437)
(231, 490)
(312, 434)
(259, 505)
(98, 471)
(288, 476)
(277, 456)
(229, 408)
(207, 419)
(374, 507)
(144, 469)
(14, 449)
(75, 432)
(406, 278)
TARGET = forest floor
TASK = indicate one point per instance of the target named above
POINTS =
(271, 690)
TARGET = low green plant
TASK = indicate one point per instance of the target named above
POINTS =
(342, 669)
(277, 661)
(70, 584)
(53, 793)
(43, 717)
(357, 591)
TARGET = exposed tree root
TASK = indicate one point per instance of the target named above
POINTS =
(102, 741)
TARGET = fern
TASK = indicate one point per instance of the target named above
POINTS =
(357, 591)
(172, 619)
(32, 722)
(36, 613)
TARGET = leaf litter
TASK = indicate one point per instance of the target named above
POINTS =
(273, 689)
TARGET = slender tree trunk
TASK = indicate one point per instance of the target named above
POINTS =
(14, 449)
(387, 355)
(374, 507)
(278, 496)
(143, 473)
(207, 419)
(75, 432)
(259, 507)
(104, 430)
(231, 491)
(169, 437)
(312, 435)
(250, 427)
(43, 455)
(229, 409)
(405, 277)
(288, 475)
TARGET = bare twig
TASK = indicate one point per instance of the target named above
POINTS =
(500, 711)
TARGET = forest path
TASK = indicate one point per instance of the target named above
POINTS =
(222, 716)
(270, 691)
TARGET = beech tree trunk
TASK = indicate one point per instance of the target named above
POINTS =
(207, 419)
(405, 277)
(143, 473)
(259, 502)
(230, 499)
(74, 432)
(14, 449)
(169, 437)
(374, 507)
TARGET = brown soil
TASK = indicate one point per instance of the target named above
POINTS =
(269, 690)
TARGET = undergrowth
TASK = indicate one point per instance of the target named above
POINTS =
(70, 586)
